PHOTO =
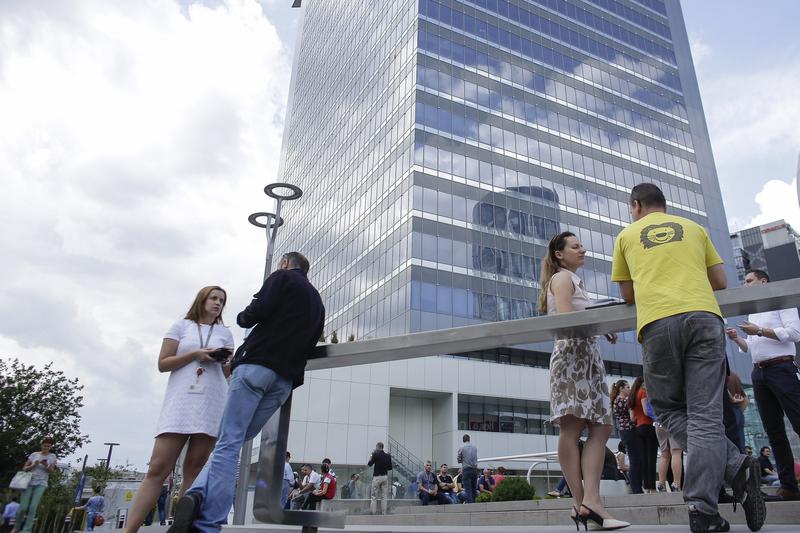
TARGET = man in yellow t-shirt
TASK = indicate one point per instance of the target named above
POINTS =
(668, 267)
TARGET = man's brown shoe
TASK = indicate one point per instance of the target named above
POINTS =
(787, 495)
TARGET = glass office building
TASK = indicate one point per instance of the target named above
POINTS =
(440, 144)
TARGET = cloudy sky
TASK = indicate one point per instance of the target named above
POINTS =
(135, 138)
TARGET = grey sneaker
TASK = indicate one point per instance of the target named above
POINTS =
(746, 487)
(706, 523)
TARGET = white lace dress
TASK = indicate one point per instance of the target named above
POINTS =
(188, 412)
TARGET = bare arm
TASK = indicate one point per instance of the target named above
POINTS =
(734, 336)
(626, 291)
(169, 361)
(562, 288)
(717, 277)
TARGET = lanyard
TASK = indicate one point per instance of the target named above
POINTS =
(200, 335)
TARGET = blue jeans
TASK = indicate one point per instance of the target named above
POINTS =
(777, 392)
(630, 438)
(469, 478)
(90, 521)
(684, 370)
(255, 393)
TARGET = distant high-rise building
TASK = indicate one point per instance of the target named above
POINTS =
(440, 144)
(771, 247)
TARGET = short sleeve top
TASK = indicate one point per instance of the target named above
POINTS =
(641, 417)
(39, 473)
(667, 258)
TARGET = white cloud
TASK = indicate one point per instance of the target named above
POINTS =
(753, 114)
(136, 137)
(701, 51)
(776, 200)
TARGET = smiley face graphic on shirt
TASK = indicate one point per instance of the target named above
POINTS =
(658, 234)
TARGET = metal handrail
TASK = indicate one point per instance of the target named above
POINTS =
(266, 506)
(732, 302)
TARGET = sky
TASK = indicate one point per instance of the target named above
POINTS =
(136, 138)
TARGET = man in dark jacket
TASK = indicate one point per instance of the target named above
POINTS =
(287, 318)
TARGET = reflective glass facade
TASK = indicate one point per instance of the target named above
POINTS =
(441, 143)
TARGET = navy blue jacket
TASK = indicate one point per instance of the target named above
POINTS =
(288, 316)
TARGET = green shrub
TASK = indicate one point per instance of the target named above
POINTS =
(513, 489)
(483, 497)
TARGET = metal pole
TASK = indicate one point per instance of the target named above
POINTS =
(240, 500)
(110, 449)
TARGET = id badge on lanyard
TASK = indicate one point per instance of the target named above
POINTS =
(197, 387)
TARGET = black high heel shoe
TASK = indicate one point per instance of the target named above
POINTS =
(600, 523)
(576, 518)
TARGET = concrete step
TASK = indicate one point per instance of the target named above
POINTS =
(641, 509)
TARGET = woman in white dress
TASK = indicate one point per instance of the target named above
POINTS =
(196, 351)
(578, 392)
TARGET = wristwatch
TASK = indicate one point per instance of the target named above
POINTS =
(760, 332)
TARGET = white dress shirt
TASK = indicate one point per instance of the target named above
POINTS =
(288, 473)
(786, 325)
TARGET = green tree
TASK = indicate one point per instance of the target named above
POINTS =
(351, 338)
(36, 403)
(334, 338)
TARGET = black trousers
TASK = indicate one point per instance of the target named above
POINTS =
(649, 447)
(777, 392)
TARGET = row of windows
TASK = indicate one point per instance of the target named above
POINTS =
(537, 359)
(528, 18)
(517, 102)
(530, 148)
(484, 258)
(508, 39)
(632, 15)
(521, 185)
(466, 303)
(656, 5)
(471, 55)
(538, 117)
(500, 415)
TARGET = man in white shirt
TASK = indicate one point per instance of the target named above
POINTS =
(310, 483)
(776, 378)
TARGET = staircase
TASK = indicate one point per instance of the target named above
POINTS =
(639, 509)
(405, 464)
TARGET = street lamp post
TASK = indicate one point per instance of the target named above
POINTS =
(271, 225)
(108, 459)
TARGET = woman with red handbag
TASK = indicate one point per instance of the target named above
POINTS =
(94, 510)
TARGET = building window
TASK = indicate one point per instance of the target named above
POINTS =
(503, 415)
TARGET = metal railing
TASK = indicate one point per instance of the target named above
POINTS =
(266, 507)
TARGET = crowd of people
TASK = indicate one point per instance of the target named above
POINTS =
(686, 410)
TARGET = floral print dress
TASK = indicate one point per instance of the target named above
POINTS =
(577, 374)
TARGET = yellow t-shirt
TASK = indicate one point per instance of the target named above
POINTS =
(667, 258)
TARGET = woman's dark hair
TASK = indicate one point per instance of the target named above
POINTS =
(648, 195)
(198, 308)
(48, 440)
(324, 468)
(637, 384)
(621, 447)
(616, 387)
(551, 265)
